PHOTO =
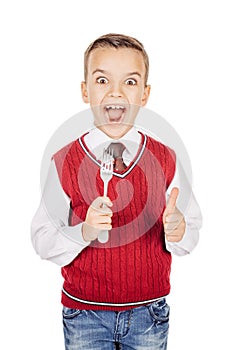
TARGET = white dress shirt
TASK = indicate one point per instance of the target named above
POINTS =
(54, 240)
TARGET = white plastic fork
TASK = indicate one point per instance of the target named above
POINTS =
(106, 171)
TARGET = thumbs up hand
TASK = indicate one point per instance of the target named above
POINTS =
(173, 220)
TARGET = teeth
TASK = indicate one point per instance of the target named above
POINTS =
(115, 107)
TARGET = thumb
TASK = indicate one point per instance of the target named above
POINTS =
(171, 203)
(99, 202)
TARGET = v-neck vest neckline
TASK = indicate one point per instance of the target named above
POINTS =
(132, 164)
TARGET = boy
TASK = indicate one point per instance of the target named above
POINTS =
(114, 292)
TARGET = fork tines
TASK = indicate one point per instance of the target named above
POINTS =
(107, 156)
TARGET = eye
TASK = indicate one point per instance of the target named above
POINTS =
(102, 80)
(131, 82)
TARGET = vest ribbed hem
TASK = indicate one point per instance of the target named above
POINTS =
(74, 302)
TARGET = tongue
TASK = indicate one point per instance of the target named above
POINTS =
(115, 114)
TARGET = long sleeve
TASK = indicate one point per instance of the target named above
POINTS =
(51, 236)
(189, 207)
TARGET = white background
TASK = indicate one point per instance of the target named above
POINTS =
(190, 49)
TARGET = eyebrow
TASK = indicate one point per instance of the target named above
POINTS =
(98, 70)
(135, 73)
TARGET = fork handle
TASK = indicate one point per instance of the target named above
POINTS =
(103, 236)
(105, 188)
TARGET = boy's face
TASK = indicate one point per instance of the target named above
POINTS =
(115, 88)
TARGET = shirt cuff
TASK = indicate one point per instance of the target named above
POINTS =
(186, 245)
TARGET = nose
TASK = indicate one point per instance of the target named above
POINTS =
(115, 91)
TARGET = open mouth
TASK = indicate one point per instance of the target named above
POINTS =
(115, 113)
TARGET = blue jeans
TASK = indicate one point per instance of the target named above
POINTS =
(142, 328)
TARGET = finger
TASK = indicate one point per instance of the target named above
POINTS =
(100, 212)
(97, 219)
(105, 211)
(171, 203)
(175, 228)
(100, 225)
(173, 238)
(100, 202)
(106, 201)
(172, 218)
(91, 232)
(171, 226)
(105, 220)
(103, 226)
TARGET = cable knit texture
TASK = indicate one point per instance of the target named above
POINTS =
(134, 265)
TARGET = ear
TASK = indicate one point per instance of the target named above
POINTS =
(84, 92)
(146, 95)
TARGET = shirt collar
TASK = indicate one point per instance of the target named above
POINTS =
(96, 140)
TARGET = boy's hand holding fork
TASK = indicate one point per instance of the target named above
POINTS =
(98, 218)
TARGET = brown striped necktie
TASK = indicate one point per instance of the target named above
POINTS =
(117, 150)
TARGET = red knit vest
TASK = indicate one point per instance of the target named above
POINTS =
(133, 267)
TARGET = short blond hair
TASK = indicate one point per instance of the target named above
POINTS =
(117, 41)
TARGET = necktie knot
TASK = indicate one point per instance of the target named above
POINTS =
(117, 149)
